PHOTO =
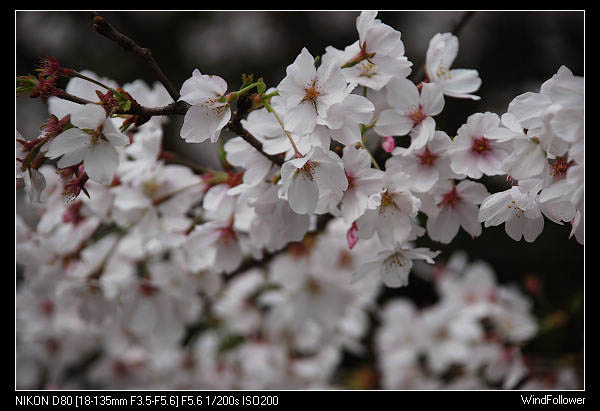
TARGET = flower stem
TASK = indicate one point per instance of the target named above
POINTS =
(373, 161)
(287, 133)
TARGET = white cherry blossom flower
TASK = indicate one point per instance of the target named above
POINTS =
(306, 179)
(425, 165)
(456, 207)
(473, 154)
(391, 212)
(518, 208)
(363, 182)
(92, 140)
(410, 111)
(264, 126)
(377, 57)
(208, 115)
(343, 122)
(308, 92)
(242, 154)
(221, 241)
(528, 158)
(394, 264)
(441, 53)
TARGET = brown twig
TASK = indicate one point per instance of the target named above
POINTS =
(235, 125)
(181, 107)
(103, 27)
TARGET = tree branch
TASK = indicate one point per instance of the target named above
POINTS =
(103, 27)
(235, 125)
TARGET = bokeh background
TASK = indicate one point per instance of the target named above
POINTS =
(513, 51)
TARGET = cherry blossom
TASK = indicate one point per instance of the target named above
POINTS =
(208, 114)
(427, 164)
(456, 207)
(92, 140)
(410, 111)
(472, 153)
(391, 212)
(518, 208)
(441, 53)
(395, 264)
(305, 180)
(309, 92)
(377, 57)
(363, 182)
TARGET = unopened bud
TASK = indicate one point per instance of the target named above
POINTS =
(388, 144)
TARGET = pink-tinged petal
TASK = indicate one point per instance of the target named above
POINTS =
(472, 191)
(491, 163)
(441, 53)
(514, 227)
(301, 119)
(303, 194)
(89, 116)
(422, 134)
(300, 75)
(528, 107)
(113, 135)
(467, 216)
(363, 22)
(502, 134)
(402, 95)
(382, 39)
(462, 82)
(395, 270)
(72, 158)
(129, 199)
(355, 159)
(200, 88)
(444, 227)
(424, 178)
(101, 162)
(392, 123)
(229, 255)
(353, 205)
(450, 49)
(464, 162)
(257, 171)
(432, 99)
(494, 210)
(480, 123)
(202, 123)
(568, 124)
(68, 141)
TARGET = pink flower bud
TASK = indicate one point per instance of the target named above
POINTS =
(351, 236)
(388, 144)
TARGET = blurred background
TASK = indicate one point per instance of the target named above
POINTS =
(514, 52)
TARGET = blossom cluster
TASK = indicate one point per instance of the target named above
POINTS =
(143, 267)
(470, 339)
